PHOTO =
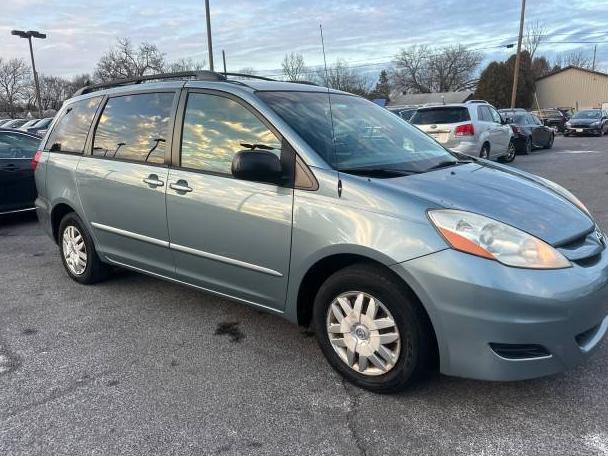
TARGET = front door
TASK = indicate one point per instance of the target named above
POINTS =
(17, 187)
(122, 184)
(227, 235)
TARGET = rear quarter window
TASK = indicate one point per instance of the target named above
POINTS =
(441, 116)
(70, 131)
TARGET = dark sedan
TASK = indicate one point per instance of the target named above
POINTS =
(529, 132)
(588, 121)
(17, 187)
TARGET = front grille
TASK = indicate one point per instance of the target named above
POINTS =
(519, 351)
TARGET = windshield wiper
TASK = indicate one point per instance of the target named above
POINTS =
(446, 164)
(379, 172)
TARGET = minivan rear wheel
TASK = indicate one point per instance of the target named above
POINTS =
(371, 329)
(78, 253)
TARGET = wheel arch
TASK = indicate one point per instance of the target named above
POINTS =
(323, 268)
(59, 211)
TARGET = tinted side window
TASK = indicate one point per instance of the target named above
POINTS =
(17, 146)
(134, 127)
(495, 117)
(70, 132)
(216, 128)
(484, 114)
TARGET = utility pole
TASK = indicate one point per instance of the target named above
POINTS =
(29, 35)
(517, 56)
(224, 59)
(594, 52)
(208, 16)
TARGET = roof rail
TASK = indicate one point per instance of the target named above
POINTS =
(250, 76)
(202, 75)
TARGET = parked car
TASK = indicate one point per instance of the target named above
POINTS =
(474, 128)
(554, 118)
(587, 121)
(528, 131)
(400, 253)
(40, 127)
(14, 123)
(29, 123)
(3, 121)
(405, 113)
(17, 187)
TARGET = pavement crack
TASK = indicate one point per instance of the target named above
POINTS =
(353, 407)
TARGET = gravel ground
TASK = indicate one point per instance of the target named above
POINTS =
(140, 366)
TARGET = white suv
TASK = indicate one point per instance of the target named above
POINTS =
(472, 128)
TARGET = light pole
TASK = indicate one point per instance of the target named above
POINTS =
(29, 35)
(208, 17)
(517, 56)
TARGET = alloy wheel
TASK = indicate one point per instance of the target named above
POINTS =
(74, 250)
(363, 333)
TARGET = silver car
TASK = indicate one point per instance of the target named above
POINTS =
(328, 210)
(473, 128)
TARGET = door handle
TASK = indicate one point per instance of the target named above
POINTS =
(181, 186)
(153, 181)
(10, 167)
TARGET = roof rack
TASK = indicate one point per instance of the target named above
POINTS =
(202, 75)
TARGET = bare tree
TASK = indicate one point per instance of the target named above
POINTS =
(341, 76)
(421, 69)
(413, 73)
(293, 67)
(15, 76)
(575, 58)
(535, 33)
(124, 61)
(187, 64)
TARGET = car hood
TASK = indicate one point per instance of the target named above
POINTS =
(512, 197)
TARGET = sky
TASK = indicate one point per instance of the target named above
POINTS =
(258, 33)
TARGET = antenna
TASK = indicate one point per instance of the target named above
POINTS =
(331, 114)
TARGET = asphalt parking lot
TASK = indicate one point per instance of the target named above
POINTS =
(140, 366)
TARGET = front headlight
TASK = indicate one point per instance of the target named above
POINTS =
(595, 124)
(489, 238)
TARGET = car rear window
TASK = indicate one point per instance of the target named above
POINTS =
(70, 132)
(440, 116)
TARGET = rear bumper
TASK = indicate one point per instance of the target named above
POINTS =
(44, 216)
(473, 302)
(471, 148)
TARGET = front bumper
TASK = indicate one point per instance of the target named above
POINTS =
(583, 130)
(474, 302)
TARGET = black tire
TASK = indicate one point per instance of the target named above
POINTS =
(550, 143)
(485, 151)
(566, 134)
(528, 146)
(418, 347)
(95, 271)
(511, 152)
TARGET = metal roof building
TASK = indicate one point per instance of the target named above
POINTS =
(572, 87)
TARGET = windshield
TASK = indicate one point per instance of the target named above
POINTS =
(440, 116)
(587, 115)
(367, 137)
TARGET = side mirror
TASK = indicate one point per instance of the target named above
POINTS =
(257, 166)
(507, 120)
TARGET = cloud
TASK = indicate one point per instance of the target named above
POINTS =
(257, 33)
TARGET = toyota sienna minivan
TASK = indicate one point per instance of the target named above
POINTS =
(326, 209)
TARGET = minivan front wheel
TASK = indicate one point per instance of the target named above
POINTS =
(78, 253)
(371, 329)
